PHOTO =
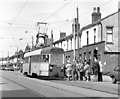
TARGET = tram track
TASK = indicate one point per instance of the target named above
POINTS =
(76, 86)
(41, 84)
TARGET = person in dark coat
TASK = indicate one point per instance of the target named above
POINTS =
(100, 78)
(96, 69)
(73, 69)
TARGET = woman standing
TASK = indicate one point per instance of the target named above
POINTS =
(87, 71)
(68, 70)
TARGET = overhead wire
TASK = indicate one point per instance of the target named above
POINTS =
(57, 11)
(51, 14)
(86, 12)
(19, 12)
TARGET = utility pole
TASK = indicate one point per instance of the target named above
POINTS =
(78, 32)
(32, 43)
(17, 57)
(74, 36)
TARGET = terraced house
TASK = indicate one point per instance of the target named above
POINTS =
(99, 39)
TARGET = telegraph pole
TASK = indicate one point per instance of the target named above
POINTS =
(78, 32)
(74, 36)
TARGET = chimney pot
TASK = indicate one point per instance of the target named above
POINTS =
(98, 9)
(96, 15)
(94, 10)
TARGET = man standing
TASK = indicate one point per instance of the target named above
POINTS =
(73, 70)
(100, 72)
(81, 71)
(78, 69)
(96, 70)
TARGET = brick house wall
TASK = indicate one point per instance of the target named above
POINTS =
(119, 31)
(111, 21)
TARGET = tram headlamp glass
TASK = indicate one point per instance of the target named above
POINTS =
(51, 67)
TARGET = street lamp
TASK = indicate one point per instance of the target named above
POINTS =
(2, 58)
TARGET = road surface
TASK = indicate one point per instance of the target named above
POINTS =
(14, 84)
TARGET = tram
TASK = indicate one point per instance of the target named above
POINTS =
(45, 62)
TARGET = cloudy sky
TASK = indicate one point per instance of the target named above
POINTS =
(19, 16)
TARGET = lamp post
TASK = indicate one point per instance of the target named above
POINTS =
(74, 37)
(2, 58)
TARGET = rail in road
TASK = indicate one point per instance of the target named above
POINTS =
(53, 89)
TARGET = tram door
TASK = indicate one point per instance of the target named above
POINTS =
(29, 64)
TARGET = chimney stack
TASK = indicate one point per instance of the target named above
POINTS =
(62, 35)
(98, 9)
(96, 15)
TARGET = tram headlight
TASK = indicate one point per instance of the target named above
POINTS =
(51, 67)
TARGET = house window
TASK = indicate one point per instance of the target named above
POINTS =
(90, 57)
(80, 55)
(85, 57)
(94, 35)
(109, 34)
(87, 37)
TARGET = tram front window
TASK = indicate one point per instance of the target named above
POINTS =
(46, 58)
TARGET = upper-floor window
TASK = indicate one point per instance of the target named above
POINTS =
(87, 37)
(85, 57)
(109, 34)
(94, 35)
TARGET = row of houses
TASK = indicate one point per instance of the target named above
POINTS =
(99, 39)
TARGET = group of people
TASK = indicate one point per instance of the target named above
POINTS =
(77, 70)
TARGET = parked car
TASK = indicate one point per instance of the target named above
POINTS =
(9, 68)
(115, 74)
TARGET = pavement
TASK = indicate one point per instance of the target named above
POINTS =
(105, 86)
(105, 78)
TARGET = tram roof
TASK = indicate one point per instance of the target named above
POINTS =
(47, 50)
(32, 53)
(51, 50)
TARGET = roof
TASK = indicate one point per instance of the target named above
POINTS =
(63, 39)
(97, 22)
(86, 27)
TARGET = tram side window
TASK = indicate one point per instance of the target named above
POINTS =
(35, 58)
(45, 58)
(26, 60)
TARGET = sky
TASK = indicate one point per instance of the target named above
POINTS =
(18, 19)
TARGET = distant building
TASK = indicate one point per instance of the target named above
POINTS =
(62, 35)
(49, 41)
